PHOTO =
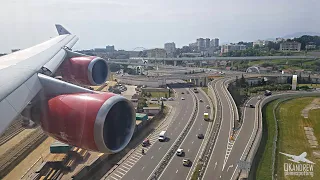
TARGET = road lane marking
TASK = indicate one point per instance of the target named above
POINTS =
(120, 173)
(117, 175)
(199, 129)
(123, 170)
(130, 162)
(230, 167)
(113, 178)
(128, 165)
(123, 165)
(142, 168)
(215, 165)
(192, 142)
(134, 158)
(151, 157)
(188, 150)
(177, 171)
(159, 147)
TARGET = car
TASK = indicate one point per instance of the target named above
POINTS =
(208, 107)
(182, 98)
(186, 162)
(170, 99)
(146, 142)
(180, 152)
(252, 106)
(200, 100)
(200, 136)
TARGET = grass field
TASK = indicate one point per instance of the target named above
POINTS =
(160, 94)
(311, 85)
(205, 89)
(264, 170)
(292, 139)
(153, 105)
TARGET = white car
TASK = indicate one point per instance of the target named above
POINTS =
(170, 99)
(182, 98)
(180, 152)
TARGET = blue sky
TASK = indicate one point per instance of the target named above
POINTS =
(150, 23)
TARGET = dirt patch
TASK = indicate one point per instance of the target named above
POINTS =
(315, 104)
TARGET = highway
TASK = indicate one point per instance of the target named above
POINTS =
(141, 166)
(227, 152)
(191, 145)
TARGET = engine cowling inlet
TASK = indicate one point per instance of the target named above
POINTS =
(100, 122)
(87, 70)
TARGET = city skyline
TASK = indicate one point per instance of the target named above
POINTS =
(127, 25)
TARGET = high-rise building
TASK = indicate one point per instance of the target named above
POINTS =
(110, 48)
(200, 44)
(170, 49)
(216, 42)
(207, 43)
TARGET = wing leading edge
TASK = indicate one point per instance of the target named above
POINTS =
(19, 82)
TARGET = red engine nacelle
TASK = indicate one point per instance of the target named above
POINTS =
(88, 70)
(100, 122)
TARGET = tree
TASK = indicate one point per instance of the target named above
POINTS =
(166, 95)
(242, 81)
(256, 46)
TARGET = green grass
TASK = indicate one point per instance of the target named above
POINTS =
(292, 139)
(160, 94)
(312, 85)
(264, 170)
(196, 173)
(153, 105)
(205, 89)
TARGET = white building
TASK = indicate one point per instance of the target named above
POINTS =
(260, 43)
(290, 46)
(232, 47)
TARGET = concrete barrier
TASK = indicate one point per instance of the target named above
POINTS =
(254, 145)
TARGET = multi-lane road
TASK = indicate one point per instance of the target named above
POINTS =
(191, 145)
(138, 166)
(227, 152)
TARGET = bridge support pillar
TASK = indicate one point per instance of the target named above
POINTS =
(175, 63)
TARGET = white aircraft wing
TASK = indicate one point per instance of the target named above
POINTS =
(307, 161)
(289, 155)
(19, 82)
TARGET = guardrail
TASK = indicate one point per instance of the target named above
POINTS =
(205, 155)
(177, 144)
(255, 142)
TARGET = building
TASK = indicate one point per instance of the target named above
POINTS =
(260, 43)
(207, 43)
(310, 46)
(170, 49)
(151, 110)
(290, 46)
(214, 42)
(110, 49)
(232, 47)
(200, 44)
(156, 53)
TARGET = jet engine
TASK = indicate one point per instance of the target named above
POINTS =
(87, 70)
(101, 122)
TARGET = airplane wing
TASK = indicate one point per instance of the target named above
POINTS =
(19, 83)
(289, 155)
(68, 112)
(307, 161)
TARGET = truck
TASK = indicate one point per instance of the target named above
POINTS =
(206, 116)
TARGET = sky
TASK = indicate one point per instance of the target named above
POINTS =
(128, 24)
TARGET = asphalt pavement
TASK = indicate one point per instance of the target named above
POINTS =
(228, 152)
(143, 166)
(191, 145)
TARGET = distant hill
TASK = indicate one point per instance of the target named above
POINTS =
(299, 34)
(296, 35)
